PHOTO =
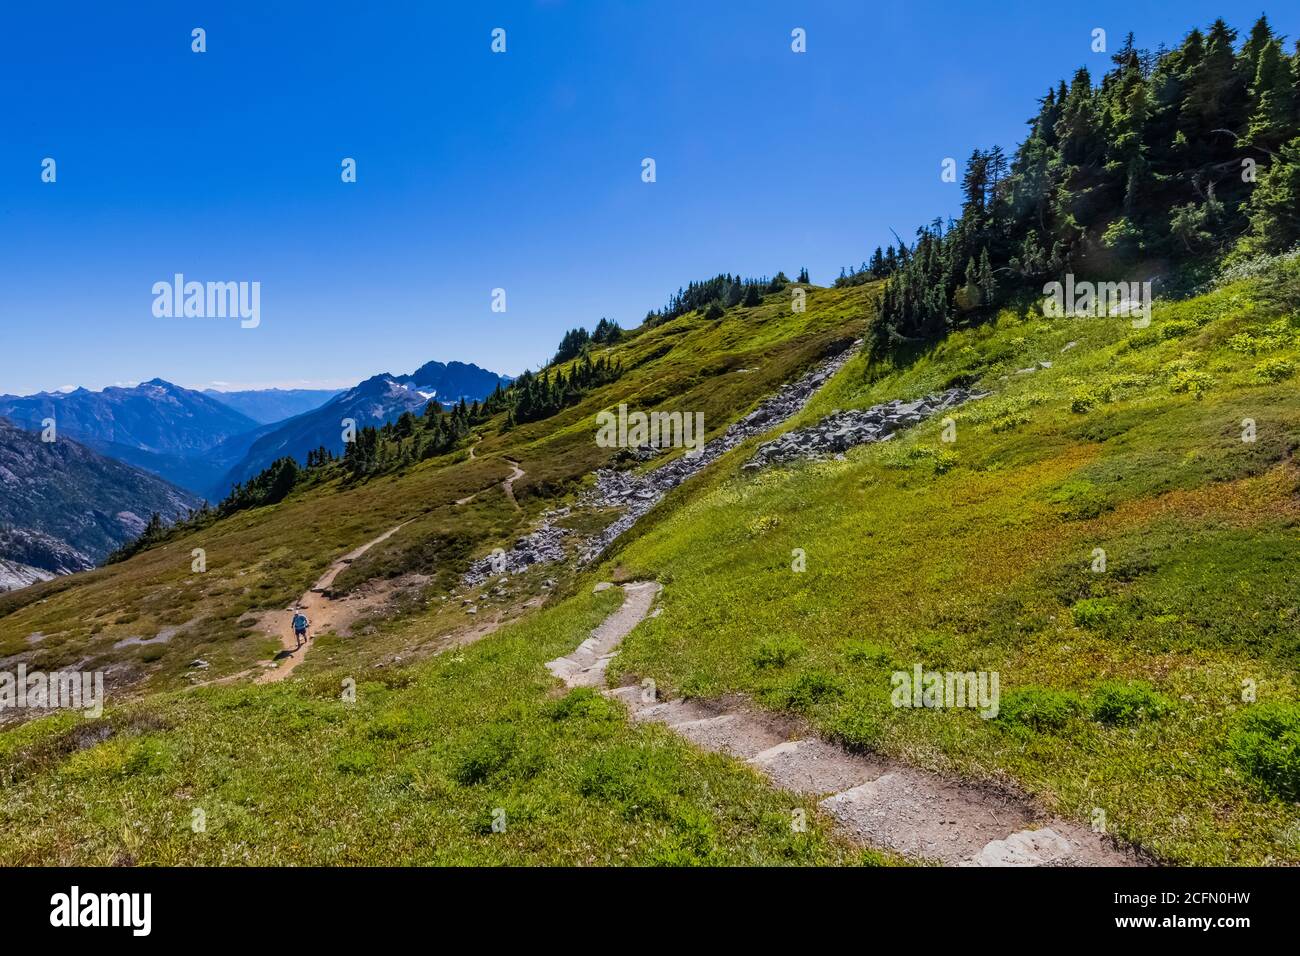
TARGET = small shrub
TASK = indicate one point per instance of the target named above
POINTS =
(776, 652)
(1266, 745)
(960, 380)
(1183, 379)
(945, 461)
(1141, 339)
(1038, 708)
(1009, 421)
(894, 456)
(864, 652)
(1085, 399)
(1274, 370)
(1175, 328)
(1273, 337)
(809, 689)
(1126, 704)
(1094, 614)
(488, 755)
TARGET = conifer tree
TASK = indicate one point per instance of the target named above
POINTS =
(1275, 205)
(1274, 99)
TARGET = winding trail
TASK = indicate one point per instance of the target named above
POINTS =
(324, 612)
(507, 486)
(873, 800)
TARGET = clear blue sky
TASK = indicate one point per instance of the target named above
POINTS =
(477, 170)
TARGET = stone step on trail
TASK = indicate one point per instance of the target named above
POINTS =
(630, 696)
(730, 734)
(593, 675)
(1025, 848)
(815, 767)
(922, 815)
(672, 712)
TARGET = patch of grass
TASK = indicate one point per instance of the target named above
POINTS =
(1274, 370)
(868, 652)
(114, 758)
(1039, 708)
(581, 703)
(776, 652)
(1125, 704)
(496, 751)
(1266, 745)
(1095, 614)
(809, 689)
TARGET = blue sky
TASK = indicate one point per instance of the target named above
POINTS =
(478, 170)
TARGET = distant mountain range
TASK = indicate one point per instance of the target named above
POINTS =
(204, 441)
(376, 401)
(156, 425)
(269, 405)
(64, 507)
(154, 416)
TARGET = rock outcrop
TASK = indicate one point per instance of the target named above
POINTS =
(14, 576)
(837, 433)
(543, 546)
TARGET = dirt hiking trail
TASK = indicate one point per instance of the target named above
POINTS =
(874, 801)
(325, 614)
(507, 486)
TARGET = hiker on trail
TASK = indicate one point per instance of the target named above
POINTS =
(300, 625)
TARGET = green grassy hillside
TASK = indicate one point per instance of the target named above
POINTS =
(1122, 689)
